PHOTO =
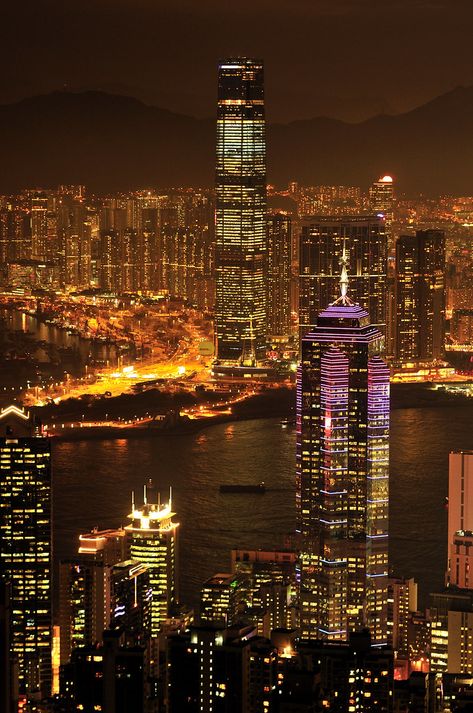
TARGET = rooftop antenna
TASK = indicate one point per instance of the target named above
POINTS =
(145, 495)
(132, 501)
(170, 497)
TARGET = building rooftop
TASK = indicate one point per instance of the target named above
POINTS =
(221, 579)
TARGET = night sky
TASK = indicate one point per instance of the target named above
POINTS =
(343, 58)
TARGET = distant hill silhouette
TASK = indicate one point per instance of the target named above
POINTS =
(112, 143)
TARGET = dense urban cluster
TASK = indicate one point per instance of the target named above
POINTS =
(367, 288)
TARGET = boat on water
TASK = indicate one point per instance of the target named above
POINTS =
(286, 422)
(240, 488)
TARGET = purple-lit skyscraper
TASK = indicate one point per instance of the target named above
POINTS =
(343, 475)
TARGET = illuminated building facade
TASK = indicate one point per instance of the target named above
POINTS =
(39, 227)
(321, 246)
(220, 599)
(240, 313)
(152, 539)
(343, 475)
(420, 296)
(15, 234)
(381, 198)
(85, 598)
(130, 599)
(278, 281)
(26, 543)
(402, 604)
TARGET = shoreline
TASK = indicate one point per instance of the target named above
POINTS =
(279, 403)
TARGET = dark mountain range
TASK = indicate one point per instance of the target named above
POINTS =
(115, 143)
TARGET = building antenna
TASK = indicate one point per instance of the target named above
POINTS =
(145, 495)
(170, 497)
(132, 501)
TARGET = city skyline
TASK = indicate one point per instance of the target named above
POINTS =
(284, 371)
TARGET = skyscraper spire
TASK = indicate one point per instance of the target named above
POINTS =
(343, 299)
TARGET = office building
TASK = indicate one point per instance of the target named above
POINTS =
(451, 621)
(261, 567)
(321, 246)
(26, 544)
(381, 199)
(85, 598)
(130, 600)
(152, 541)
(278, 281)
(343, 475)
(221, 600)
(240, 258)
(420, 297)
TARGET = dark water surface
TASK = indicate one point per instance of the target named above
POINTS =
(93, 481)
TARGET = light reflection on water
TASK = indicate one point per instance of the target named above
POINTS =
(94, 479)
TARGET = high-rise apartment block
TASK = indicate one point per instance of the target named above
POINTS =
(420, 297)
(343, 475)
(321, 246)
(26, 544)
(241, 239)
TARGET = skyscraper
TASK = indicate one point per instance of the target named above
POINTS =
(240, 313)
(342, 475)
(381, 195)
(25, 544)
(420, 296)
(278, 281)
(322, 241)
(153, 541)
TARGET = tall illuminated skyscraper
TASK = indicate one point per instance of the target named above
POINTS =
(381, 196)
(420, 296)
(342, 475)
(240, 313)
(153, 542)
(25, 544)
(321, 245)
